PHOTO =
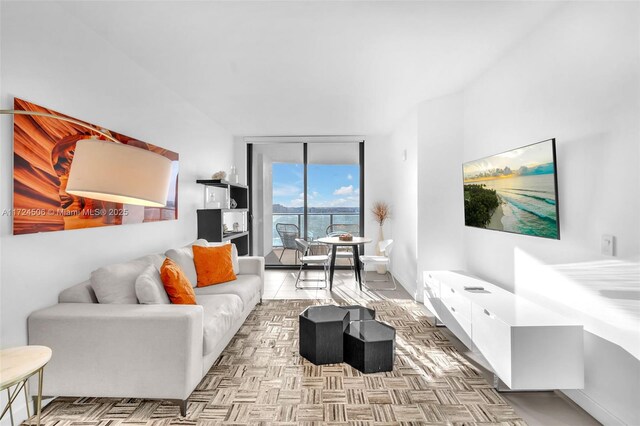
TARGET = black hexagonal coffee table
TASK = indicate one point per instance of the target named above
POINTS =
(369, 346)
(321, 330)
(360, 313)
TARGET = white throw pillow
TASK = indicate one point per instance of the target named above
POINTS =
(234, 255)
(116, 283)
(184, 258)
(149, 287)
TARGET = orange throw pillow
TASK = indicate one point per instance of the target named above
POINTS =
(214, 265)
(176, 284)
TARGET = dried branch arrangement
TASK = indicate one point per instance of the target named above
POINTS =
(381, 211)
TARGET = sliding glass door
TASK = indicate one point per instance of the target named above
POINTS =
(303, 190)
(333, 188)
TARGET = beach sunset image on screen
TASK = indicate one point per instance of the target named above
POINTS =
(515, 191)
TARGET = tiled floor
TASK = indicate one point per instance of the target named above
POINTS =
(280, 284)
(536, 408)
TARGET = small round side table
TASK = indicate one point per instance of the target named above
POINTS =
(17, 365)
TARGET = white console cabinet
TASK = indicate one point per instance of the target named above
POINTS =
(529, 347)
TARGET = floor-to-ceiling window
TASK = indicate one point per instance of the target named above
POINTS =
(303, 190)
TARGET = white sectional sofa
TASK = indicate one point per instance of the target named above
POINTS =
(153, 351)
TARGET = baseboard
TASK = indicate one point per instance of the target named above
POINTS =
(596, 410)
(411, 290)
(400, 282)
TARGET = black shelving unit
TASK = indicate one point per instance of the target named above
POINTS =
(211, 221)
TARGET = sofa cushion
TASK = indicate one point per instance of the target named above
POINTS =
(220, 312)
(213, 265)
(247, 287)
(184, 258)
(234, 255)
(176, 284)
(153, 259)
(79, 293)
(116, 283)
(149, 287)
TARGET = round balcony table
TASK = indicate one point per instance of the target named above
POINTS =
(17, 365)
(336, 242)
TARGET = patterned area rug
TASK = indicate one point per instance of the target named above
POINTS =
(260, 379)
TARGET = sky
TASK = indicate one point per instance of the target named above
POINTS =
(531, 155)
(328, 185)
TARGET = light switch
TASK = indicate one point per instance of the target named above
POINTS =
(607, 245)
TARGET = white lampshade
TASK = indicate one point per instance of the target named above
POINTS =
(119, 173)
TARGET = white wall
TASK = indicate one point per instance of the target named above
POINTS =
(53, 60)
(2, 173)
(440, 141)
(576, 78)
(378, 186)
(427, 190)
(404, 199)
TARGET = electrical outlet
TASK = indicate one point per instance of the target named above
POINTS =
(607, 244)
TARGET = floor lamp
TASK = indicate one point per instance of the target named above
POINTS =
(109, 170)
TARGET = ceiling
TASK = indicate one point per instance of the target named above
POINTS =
(311, 67)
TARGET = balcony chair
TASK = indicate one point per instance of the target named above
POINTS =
(307, 259)
(288, 232)
(385, 248)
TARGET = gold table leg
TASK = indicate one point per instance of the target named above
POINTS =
(24, 386)
(40, 379)
(26, 397)
(11, 397)
(10, 407)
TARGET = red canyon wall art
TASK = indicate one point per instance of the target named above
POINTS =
(43, 154)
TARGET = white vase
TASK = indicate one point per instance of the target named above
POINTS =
(381, 269)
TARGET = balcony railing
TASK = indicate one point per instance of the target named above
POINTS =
(317, 222)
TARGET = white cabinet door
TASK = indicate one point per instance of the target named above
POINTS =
(456, 314)
(492, 337)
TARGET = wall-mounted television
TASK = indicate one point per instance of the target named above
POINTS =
(515, 191)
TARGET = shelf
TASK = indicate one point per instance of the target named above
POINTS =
(230, 210)
(233, 235)
(211, 221)
(220, 183)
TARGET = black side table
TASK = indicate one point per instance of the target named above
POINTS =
(369, 346)
(321, 330)
(360, 313)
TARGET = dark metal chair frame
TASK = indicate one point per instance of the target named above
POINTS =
(288, 232)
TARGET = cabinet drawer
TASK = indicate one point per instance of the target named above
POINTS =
(463, 322)
(431, 285)
(456, 323)
(455, 301)
(492, 337)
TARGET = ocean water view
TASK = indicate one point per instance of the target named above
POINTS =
(527, 205)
